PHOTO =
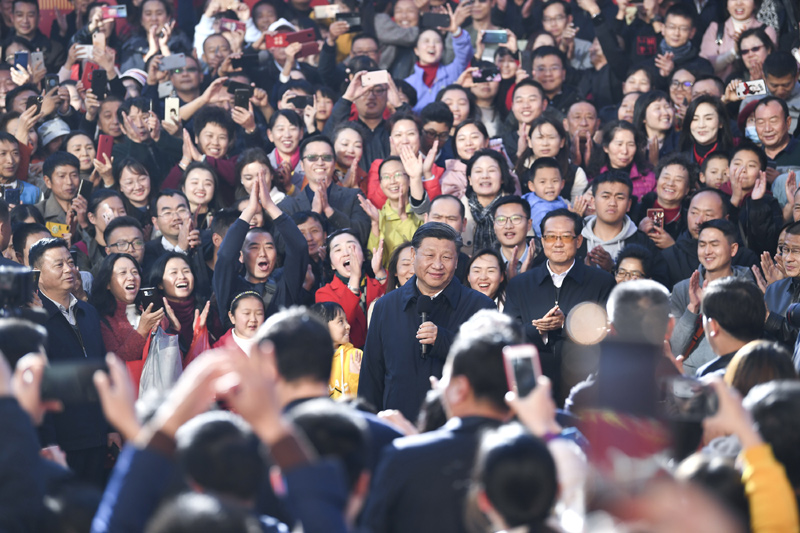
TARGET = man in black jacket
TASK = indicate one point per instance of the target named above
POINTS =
(541, 298)
(676, 51)
(73, 335)
(681, 258)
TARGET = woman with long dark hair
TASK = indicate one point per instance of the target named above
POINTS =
(706, 129)
(623, 149)
(654, 118)
(488, 180)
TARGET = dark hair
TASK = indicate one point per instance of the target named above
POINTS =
(640, 109)
(774, 406)
(303, 345)
(316, 139)
(350, 125)
(59, 159)
(293, 118)
(601, 158)
(434, 230)
(4, 213)
(140, 102)
(768, 100)
(563, 154)
(562, 3)
(563, 212)
(462, 210)
(301, 217)
(101, 195)
(712, 156)
(512, 199)
(518, 475)
(431, 413)
(336, 432)
(290, 85)
(759, 362)
(121, 222)
(680, 159)
(718, 475)
(702, 76)
(253, 155)
(389, 159)
(724, 136)
(544, 51)
(408, 90)
(437, 112)
(749, 146)
(213, 203)
(507, 184)
(165, 193)
(40, 247)
(473, 106)
(155, 274)
(72, 134)
(20, 337)
(23, 231)
(613, 176)
(780, 64)
(21, 212)
(477, 354)
(641, 67)
(636, 251)
(726, 227)
(501, 289)
(684, 11)
(542, 163)
(214, 115)
(404, 115)
(640, 311)
(366, 269)
(723, 198)
(130, 163)
(16, 91)
(191, 512)
(391, 268)
(325, 92)
(101, 298)
(219, 451)
(737, 306)
(470, 121)
(326, 311)
(529, 82)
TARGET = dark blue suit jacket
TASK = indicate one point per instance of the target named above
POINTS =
(421, 482)
(394, 375)
(78, 426)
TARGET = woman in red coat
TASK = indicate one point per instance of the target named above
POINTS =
(351, 287)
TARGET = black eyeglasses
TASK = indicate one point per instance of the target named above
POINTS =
(432, 134)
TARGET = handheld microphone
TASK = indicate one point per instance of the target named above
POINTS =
(424, 308)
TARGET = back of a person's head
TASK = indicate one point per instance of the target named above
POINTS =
(737, 306)
(477, 354)
(639, 311)
(759, 362)
(719, 476)
(518, 475)
(775, 407)
(303, 345)
(20, 337)
(432, 414)
(192, 513)
(337, 432)
(219, 452)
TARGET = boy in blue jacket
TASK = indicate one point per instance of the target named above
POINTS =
(545, 183)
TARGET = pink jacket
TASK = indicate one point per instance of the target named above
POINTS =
(718, 54)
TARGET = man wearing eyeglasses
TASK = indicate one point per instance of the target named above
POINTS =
(781, 294)
(104, 206)
(716, 247)
(512, 224)
(124, 235)
(542, 297)
(186, 80)
(550, 70)
(172, 217)
(676, 50)
(339, 205)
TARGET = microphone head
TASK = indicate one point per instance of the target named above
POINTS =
(424, 304)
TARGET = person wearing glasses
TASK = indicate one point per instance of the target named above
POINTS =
(680, 93)
(550, 70)
(512, 224)
(104, 206)
(124, 235)
(785, 292)
(753, 47)
(173, 219)
(676, 50)
(186, 80)
(340, 206)
(633, 262)
(716, 246)
(541, 298)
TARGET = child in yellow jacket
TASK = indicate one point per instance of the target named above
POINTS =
(346, 358)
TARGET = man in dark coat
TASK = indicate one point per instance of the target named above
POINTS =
(400, 354)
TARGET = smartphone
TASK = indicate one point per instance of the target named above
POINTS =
(301, 102)
(51, 81)
(56, 229)
(686, 399)
(85, 189)
(172, 62)
(326, 12)
(84, 51)
(276, 41)
(11, 196)
(37, 60)
(231, 25)
(34, 101)
(377, 77)
(36, 275)
(302, 36)
(522, 368)
(486, 74)
(234, 86)
(172, 109)
(246, 61)
(86, 79)
(435, 20)
(114, 12)
(75, 72)
(99, 40)
(73, 253)
(165, 89)
(21, 59)
(150, 295)
(657, 216)
(308, 49)
(100, 84)
(494, 37)
(241, 98)
(105, 144)
(71, 382)
(353, 20)
(751, 88)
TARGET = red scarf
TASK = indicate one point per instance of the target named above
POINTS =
(670, 215)
(429, 73)
(293, 161)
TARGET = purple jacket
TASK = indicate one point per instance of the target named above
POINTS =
(447, 74)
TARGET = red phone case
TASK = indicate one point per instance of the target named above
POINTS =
(302, 36)
(87, 74)
(104, 145)
(276, 41)
(308, 49)
(75, 72)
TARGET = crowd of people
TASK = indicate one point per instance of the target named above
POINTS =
(274, 254)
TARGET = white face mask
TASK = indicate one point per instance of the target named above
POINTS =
(750, 133)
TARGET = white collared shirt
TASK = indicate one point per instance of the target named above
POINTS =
(558, 279)
(168, 246)
(67, 312)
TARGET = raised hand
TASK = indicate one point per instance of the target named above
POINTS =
(791, 186)
(665, 64)
(200, 319)
(760, 188)
(149, 320)
(369, 208)
(377, 261)
(695, 292)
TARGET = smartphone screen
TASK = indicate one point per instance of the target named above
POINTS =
(85, 188)
(150, 295)
(686, 399)
(522, 368)
(657, 216)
